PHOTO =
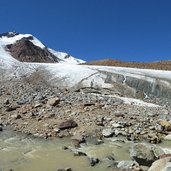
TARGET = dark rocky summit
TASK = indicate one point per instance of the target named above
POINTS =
(25, 51)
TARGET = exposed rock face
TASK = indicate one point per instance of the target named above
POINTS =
(25, 51)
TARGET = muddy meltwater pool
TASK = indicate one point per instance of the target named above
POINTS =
(31, 154)
(21, 153)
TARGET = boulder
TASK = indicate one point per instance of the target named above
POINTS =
(108, 132)
(67, 124)
(78, 138)
(93, 161)
(53, 101)
(163, 164)
(166, 125)
(168, 137)
(128, 165)
(143, 154)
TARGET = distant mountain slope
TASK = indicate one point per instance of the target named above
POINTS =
(27, 48)
(161, 65)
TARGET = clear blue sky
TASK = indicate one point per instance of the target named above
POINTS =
(131, 30)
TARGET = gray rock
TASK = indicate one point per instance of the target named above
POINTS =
(38, 105)
(117, 125)
(16, 116)
(143, 154)
(118, 113)
(6, 101)
(57, 130)
(99, 121)
(66, 169)
(93, 161)
(109, 160)
(22, 101)
(168, 137)
(1, 128)
(157, 151)
(90, 140)
(79, 153)
(78, 137)
(108, 132)
(128, 165)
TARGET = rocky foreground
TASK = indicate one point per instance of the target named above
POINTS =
(44, 111)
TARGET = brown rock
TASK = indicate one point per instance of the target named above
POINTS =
(77, 139)
(161, 164)
(25, 108)
(67, 124)
(166, 125)
(9, 109)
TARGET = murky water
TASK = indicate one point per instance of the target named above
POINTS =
(29, 154)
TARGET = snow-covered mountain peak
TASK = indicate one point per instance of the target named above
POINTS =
(27, 48)
(13, 37)
(9, 34)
